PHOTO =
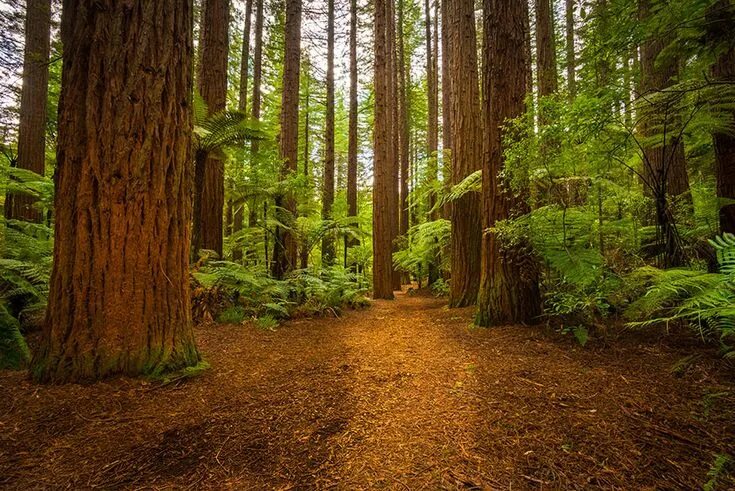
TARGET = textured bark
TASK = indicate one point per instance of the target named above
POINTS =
(720, 19)
(383, 177)
(328, 183)
(432, 124)
(571, 56)
(509, 293)
(304, 251)
(209, 177)
(242, 105)
(395, 136)
(284, 248)
(446, 109)
(352, 137)
(119, 299)
(545, 49)
(32, 130)
(466, 151)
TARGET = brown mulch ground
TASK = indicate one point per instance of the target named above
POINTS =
(404, 395)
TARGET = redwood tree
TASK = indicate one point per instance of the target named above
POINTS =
(432, 129)
(119, 293)
(352, 131)
(284, 248)
(466, 151)
(509, 292)
(383, 177)
(545, 48)
(446, 107)
(32, 130)
(209, 173)
(255, 113)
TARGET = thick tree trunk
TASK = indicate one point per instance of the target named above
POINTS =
(466, 151)
(395, 140)
(352, 138)
(383, 178)
(284, 248)
(119, 299)
(509, 293)
(304, 251)
(432, 133)
(720, 19)
(570, 50)
(242, 105)
(328, 190)
(209, 180)
(404, 65)
(32, 130)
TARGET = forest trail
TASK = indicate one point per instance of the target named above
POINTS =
(403, 395)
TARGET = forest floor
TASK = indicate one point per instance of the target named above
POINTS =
(403, 395)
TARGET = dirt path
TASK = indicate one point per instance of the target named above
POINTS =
(404, 395)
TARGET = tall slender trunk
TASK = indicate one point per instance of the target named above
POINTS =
(255, 114)
(284, 248)
(304, 251)
(383, 177)
(352, 131)
(395, 139)
(209, 180)
(432, 136)
(545, 49)
(403, 84)
(509, 293)
(328, 191)
(571, 55)
(238, 205)
(467, 151)
(119, 294)
(32, 130)
(720, 19)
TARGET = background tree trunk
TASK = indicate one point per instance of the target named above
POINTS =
(32, 129)
(446, 109)
(545, 49)
(209, 177)
(509, 293)
(284, 248)
(242, 105)
(570, 48)
(395, 140)
(328, 191)
(466, 151)
(352, 137)
(404, 66)
(255, 114)
(119, 300)
(383, 177)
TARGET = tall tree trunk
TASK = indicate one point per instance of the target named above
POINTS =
(446, 110)
(383, 179)
(403, 84)
(32, 131)
(432, 129)
(119, 294)
(328, 191)
(242, 105)
(395, 139)
(545, 49)
(255, 114)
(284, 248)
(509, 293)
(209, 177)
(466, 151)
(352, 131)
(304, 251)
(571, 55)
(665, 169)
(720, 19)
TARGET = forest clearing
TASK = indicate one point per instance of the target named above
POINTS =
(367, 244)
(404, 395)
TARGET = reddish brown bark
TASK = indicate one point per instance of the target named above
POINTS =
(545, 49)
(119, 299)
(395, 142)
(383, 178)
(209, 175)
(403, 123)
(720, 19)
(570, 50)
(284, 249)
(328, 190)
(509, 293)
(32, 130)
(466, 151)
(255, 114)
(446, 109)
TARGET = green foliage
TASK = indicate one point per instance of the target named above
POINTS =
(718, 470)
(232, 315)
(14, 352)
(440, 288)
(425, 246)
